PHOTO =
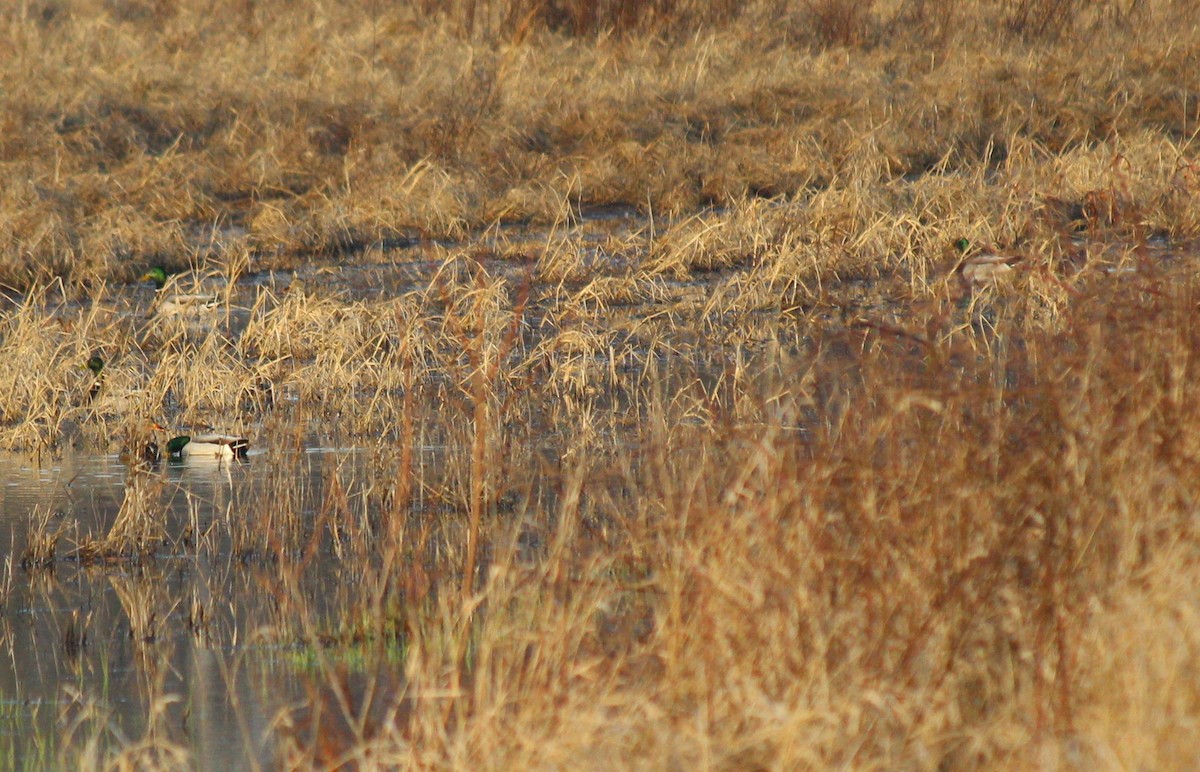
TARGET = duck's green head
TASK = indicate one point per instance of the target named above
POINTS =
(963, 245)
(175, 444)
(157, 274)
(95, 364)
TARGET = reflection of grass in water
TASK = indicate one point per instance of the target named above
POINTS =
(27, 739)
(356, 656)
(138, 527)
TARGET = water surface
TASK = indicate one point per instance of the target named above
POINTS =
(178, 644)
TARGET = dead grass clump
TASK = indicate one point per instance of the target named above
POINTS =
(302, 325)
(1139, 713)
(41, 548)
(322, 350)
(1043, 19)
(585, 18)
(429, 199)
(40, 235)
(204, 381)
(838, 22)
(52, 396)
(138, 527)
(742, 237)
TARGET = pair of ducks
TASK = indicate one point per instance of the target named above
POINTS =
(208, 445)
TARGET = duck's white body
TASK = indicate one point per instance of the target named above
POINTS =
(211, 446)
(983, 268)
(184, 305)
(176, 295)
(987, 268)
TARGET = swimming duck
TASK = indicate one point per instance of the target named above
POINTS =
(983, 268)
(215, 446)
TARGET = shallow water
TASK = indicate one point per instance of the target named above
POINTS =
(114, 646)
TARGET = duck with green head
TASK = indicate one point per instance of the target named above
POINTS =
(102, 397)
(175, 303)
(983, 267)
(95, 363)
(214, 446)
(157, 274)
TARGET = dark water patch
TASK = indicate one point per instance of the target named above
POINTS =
(184, 643)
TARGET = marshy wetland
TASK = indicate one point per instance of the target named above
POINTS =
(654, 385)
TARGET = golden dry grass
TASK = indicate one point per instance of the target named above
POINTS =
(749, 479)
(138, 133)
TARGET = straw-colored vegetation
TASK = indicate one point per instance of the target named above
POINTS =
(760, 473)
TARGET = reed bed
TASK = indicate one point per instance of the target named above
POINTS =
(935, 539)
(692, 442)
(887, 558)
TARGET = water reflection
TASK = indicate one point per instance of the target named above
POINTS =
(177, 646)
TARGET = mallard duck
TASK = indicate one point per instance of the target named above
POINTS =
(170, 303)
(208, 446)
(157, 274)
(176, 305)
(983, 268)
(115, 395)
(95, 363)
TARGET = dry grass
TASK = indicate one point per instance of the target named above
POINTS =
(869, 553)
(138, 528)
(42, 543)
(141, 133)
(749, 478)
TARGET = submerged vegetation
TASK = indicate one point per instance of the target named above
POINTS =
(782, 384)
